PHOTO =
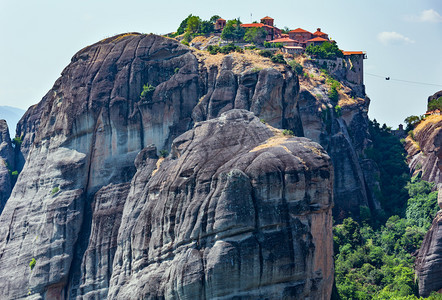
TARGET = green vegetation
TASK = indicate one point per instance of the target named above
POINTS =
(266, 53)
(233, 31)
(413, 121)
(193, 26)
(278, 59)
(273, 45)
(147, 92)
(32, 263)
(378, 263)
(255, 35)
(325, 51)
(296, 67)
(55, 190)
(164, 153)
(374, 257)
(435, 104)
(338, 111)
(214, 49)
(275, 58)
(389, 155)
(17, 141)
(287, 132)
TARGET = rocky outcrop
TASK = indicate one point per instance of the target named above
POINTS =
(235, 210)
(429, 261)
(425, 158)
(221, 206)
(424, 149)
(80, 143)
(7, 164)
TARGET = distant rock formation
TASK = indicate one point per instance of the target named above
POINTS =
(98, 224)
(424, 149)
(6, 164)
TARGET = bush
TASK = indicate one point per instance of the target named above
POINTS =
(435, 104)
(278, 59)
(266, 53)
(164, 153)
(147, 92)
(32, 263)
(296, 67)
(325, 51)
(17, 141)
(338, 111)
(287, 132)
(55, 190)
(333, 95)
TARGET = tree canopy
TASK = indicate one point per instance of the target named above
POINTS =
(233, 31)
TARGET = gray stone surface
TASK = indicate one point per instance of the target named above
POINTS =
(92, 140)
(234, 211)
(429, 261)
(7, 164)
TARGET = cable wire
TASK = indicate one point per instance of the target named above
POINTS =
(407, 81)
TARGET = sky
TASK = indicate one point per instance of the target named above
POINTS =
(402, 38)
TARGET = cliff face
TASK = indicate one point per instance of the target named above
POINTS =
(425, 157)
(220, 211)
(424, 149)
(7, 163)
(235, 210)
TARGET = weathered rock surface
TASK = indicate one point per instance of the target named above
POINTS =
(429, 261)
(7, 163)
(80, 143)
(425, 151)
(235, 211)
(96, 222)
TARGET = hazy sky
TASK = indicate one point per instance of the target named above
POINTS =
(402, 38)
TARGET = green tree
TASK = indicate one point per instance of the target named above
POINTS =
(214, 18)
(435, 104)
(326, 50)
(255, 35)
(207, 27)
(193, 24)
(233, 31)
(411, 122)
(183, 25)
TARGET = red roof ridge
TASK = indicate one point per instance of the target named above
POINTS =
(284, 39)
(299, 30)
(352, 52)
(221, 19)
(267, 18)
(318, 39)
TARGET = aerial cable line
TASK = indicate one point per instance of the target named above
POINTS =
(407, 81)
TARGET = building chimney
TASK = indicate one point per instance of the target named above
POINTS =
(318, 29)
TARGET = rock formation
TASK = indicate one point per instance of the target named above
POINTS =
(97, 210)
(425, 158)
(233, 211)
(7, 164)
(429, 261)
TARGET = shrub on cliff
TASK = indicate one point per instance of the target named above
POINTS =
(296, 67)
(325, 51)
(147, 92)
(435, 104)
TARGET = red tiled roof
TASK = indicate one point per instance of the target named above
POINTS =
(256, 25)
(220, 19)
(283, 35)
(319, 33)
(352, 52)
(283, 40)
(317, 39)
(300, 30)
(267, 18)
